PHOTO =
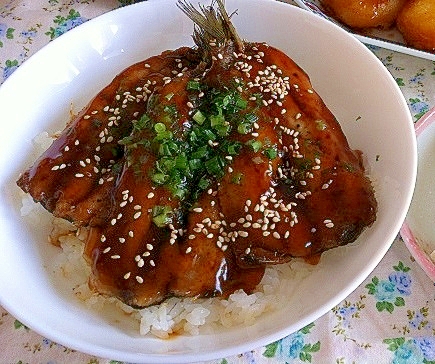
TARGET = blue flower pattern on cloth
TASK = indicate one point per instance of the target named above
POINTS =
(389, 292)
(65, 23)
(410, 351)
(293, 348)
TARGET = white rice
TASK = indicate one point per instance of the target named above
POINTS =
(175, 315)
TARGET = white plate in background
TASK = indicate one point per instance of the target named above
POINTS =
(388, 39)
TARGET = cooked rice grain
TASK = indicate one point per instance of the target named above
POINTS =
(190, 316)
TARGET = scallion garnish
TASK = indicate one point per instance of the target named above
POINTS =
(270, 153)
(198, 117)
(193, 85)
(162, 215)
(189, 160)
(255, 144)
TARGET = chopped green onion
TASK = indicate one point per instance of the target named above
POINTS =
(159, 128)
(217, 120)
(270, 153)
(142, 123)
(162, 215)
(190, 157)
(255, 144)
(320, 124)
(181, 162)
(244, 128)
(159, 178)
(233, 147)
(199, 117)
(170, 109)
(223, 130)
(251, 118)
(195, 164)
(209, 135)
(199, 153)
(237, 178)
(214, 166)
(203, 183)
(193, 85)
(241, 103)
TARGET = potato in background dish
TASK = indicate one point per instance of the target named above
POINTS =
(365, 13)
(416, 22)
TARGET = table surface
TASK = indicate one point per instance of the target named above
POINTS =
(389, 318)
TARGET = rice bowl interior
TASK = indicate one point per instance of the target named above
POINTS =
(374, 119)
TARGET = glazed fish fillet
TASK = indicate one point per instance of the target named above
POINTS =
(195, 169)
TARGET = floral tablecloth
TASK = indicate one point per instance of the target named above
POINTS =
(390, 318)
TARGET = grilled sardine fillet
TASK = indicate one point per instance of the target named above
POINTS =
(73, 179)
(224, 160)
(306, 190)
(149, 247)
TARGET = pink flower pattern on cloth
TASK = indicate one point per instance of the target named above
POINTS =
(390, 318)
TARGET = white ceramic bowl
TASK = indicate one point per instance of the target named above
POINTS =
(71, 69)
(418, 230)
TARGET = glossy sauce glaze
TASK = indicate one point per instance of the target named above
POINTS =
(212, 171)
